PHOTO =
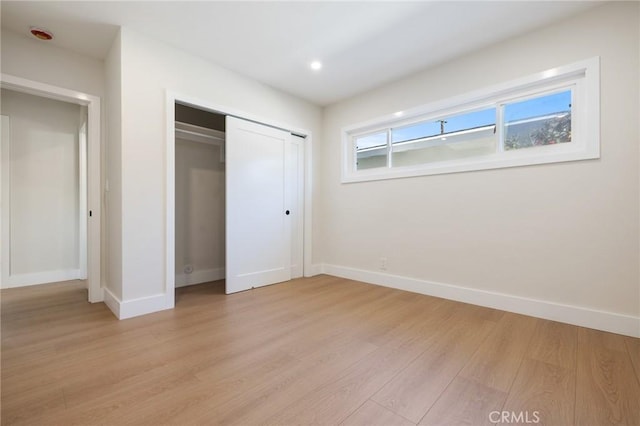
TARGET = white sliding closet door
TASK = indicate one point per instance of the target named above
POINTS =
(258, 196)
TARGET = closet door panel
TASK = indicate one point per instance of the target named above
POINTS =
(258, 211)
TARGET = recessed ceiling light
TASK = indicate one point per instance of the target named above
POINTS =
(399, 113)
(41, 34)
(315, 65)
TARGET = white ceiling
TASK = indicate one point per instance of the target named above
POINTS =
(362, 44)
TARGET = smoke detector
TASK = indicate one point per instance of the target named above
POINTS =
(41, 34)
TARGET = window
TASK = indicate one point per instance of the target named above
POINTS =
(542, 120)
(549, 117)
(372, 150)
(449, 138)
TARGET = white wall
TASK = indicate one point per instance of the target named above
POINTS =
(36, 60)
(561, 233)
(200, 212)
(112, 238)
(44, 185)
(149, 68)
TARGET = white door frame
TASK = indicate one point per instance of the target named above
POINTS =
(171, 98)
(94, 203)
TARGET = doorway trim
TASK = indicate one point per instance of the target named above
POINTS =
(172, 98)
(93, 178)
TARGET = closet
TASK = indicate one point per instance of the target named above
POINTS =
(234, 218)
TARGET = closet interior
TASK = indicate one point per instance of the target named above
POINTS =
(199, 196)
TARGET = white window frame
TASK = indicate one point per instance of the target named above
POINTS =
(583, 78)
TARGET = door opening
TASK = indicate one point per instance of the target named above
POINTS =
(50, 185)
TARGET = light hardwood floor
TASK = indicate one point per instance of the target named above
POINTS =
(320, 350)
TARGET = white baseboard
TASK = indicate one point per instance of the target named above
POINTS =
(112, 302)
(576, 315)
(23, 280)
(200, 276)
(316, 269)
(136, 307)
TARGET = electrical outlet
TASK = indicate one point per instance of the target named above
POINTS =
(382, 264)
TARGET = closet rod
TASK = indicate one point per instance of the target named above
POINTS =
(202, 135)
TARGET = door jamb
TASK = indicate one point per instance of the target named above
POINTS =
(171, 98)
(94, 203)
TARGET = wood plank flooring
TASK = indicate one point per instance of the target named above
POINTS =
(319, 350)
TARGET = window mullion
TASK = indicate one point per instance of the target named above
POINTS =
(575, 118)
(500, 128)
(389, 149)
